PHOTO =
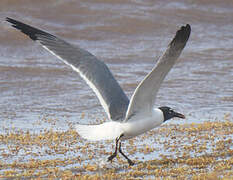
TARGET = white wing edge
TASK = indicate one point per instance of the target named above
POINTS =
(102, 102)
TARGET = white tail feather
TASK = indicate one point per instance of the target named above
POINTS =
(106, 131)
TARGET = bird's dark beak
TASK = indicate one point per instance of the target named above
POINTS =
(179, 115)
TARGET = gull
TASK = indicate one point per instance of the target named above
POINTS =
(128, 118)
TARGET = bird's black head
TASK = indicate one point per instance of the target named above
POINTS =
(169, 113)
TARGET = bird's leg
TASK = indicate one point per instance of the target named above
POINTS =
(110, 158)
(129, 161)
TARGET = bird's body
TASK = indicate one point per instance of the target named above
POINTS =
(129, 118)
(137, 125)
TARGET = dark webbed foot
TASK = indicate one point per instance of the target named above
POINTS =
(131, 163)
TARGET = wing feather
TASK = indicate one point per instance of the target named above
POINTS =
(92, 70)
(145, 94)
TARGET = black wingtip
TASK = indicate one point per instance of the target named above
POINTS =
(10, 20)
(26, 29)
(182, 35)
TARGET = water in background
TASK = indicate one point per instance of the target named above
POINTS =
(129, 36)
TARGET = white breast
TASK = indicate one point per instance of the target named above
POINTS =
(142, 123)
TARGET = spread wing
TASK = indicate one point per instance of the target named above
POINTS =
(93, 71)
(144, 96)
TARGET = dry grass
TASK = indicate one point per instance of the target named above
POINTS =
(193, 151)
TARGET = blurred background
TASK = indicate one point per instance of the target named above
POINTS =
(129, 36)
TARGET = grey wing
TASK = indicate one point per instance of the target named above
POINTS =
(145, 94)
(93, 71)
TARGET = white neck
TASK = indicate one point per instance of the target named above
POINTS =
(157, 116)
